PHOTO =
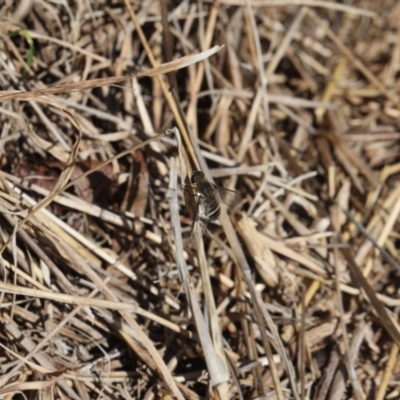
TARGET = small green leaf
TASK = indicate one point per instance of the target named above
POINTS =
(31, 46)
(25, 33)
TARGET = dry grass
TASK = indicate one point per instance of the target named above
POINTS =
(295, 104)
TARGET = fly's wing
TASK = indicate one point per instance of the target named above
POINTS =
(190, 199)
(197, 219)
(227, 196)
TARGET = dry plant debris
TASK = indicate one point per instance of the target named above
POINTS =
(294, 104)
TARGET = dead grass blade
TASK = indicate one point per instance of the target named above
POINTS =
(216, 366)
(311, 3)
(94, 83)
(388, 372)
(20, 387)
(381, 312)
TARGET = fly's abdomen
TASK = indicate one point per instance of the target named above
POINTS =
(212, 209)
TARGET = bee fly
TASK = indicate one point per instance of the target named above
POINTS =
(208, 199)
